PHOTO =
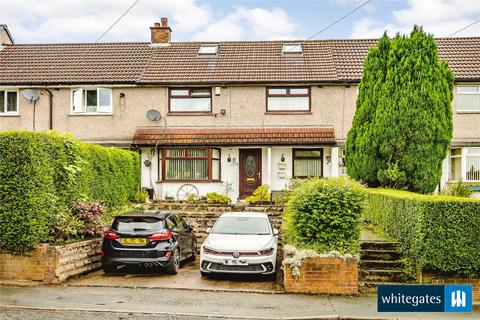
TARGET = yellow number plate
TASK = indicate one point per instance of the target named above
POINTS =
(133, 240)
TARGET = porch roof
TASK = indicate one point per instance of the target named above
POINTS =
(233, 136)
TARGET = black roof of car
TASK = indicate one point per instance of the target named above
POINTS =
(156, 214)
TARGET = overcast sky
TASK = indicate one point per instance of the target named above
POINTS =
(33, 21)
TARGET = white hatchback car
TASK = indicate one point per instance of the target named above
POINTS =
(240, 242)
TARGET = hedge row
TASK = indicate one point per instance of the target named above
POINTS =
(436, 232)
(41, 174)
(325, 215)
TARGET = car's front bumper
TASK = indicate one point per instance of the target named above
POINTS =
(254, 265)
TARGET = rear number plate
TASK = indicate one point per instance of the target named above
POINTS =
(133, 240)
(235, 263)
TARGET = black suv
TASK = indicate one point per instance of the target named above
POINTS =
(148, 239)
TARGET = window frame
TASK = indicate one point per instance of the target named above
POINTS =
(467, 93)
(303, 157)
(212, 45)
(162, 162)
(189, 96)
(463, 164)
(6, 113)
(288, 94)
(466, 155)
(84, 101)
(292, 44)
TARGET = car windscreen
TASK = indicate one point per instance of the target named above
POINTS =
(137, 224)
(242, 225)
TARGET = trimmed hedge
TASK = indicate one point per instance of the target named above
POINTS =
(436, 232)
(41, 175)
(325, 215)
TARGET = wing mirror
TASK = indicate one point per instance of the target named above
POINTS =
(275, 231)
(208, 230)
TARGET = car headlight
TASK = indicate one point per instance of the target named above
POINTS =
(266, 252)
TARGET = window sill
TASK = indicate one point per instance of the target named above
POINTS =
(90, 114)
(9, 115)
(467, 111)
(189, 114)
(287, 113)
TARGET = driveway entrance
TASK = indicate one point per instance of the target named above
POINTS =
(187, 278)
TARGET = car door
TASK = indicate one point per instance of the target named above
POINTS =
(184, 234)
(176, 231)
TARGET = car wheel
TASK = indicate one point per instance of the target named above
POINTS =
(174, 267)
(109, 268)
(194, 251)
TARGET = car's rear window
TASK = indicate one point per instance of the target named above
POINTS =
(137, 224)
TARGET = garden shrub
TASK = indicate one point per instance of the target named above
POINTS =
(41, 175)
(325, 215)
(91, 214)
(217, 198)
(260, 195)
(460, 189)
(436, 232)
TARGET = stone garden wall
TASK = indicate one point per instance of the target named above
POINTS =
(52, 264)
(203, 216)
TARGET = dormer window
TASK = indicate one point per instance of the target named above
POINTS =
(292, 48)
(208, 49)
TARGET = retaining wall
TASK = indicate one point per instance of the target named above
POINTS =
(52, 264)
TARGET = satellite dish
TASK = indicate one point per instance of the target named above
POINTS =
(154, 115)
(30, 95)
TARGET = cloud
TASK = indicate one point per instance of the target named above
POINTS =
(440, 17)
(34, 21)
(251, 24)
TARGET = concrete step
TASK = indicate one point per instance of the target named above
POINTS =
(381, 264)
(374, 254)
(371, 286)
(380, 245)
(382, 275)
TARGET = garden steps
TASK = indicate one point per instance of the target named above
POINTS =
(380, 263)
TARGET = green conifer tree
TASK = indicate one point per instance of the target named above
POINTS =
(402, 127)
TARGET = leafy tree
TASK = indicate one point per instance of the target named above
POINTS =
(402, 127)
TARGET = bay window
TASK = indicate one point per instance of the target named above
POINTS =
(307, 163)
(8, 102)
(190, 100)
(92, 101)
(288, 99)
(468, 98)
(191, 164)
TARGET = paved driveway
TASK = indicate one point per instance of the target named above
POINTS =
(188, 278)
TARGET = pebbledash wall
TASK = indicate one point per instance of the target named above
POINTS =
(52, 264)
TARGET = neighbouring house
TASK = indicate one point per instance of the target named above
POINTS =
(218, 116)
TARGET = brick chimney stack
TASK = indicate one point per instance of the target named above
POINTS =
(161, 32)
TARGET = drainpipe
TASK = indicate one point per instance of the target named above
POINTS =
(50, 119)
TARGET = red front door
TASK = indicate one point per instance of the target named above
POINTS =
(250, 171)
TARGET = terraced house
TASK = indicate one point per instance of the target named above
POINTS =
(218, 116)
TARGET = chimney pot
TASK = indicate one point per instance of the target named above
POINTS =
(161, 32)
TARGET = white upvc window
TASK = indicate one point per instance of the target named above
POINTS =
(468, 98)
(8, 102)
(465, 164)
(92, 101)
